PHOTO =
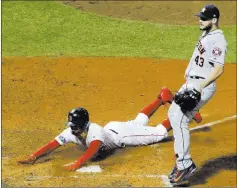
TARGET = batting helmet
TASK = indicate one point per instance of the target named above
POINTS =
(78, 118)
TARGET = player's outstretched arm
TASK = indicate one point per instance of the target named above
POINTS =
(51, 146)
(90, 152)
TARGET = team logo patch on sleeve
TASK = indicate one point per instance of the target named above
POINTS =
(62, 139)
(216, 51)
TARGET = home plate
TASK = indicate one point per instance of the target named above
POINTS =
(95, 168)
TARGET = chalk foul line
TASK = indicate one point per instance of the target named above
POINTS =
(164, 178)
(214, 123)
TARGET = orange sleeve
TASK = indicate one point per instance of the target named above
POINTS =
(90, 152)
(51, 146)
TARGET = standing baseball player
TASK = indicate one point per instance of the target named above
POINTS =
(114, 135)
(205, 66)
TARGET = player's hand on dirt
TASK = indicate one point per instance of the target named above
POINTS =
(72, 167)
(29, 160)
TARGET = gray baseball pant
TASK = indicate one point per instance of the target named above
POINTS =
(180, 121)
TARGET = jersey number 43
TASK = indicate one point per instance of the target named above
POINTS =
(199, 61)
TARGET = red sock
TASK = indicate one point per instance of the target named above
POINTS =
(166, 124)
(197, 117)
(150, 109)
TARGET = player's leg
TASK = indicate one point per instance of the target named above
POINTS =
(163, 97)
(133, 134)
(179, 123)
(142, 118)
(207, 94)
(197, 118)
(167, 125)
(136, 135)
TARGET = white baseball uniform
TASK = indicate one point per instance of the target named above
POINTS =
(210, 50)
(118, 134)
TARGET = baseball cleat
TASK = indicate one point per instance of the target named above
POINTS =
(166, 95)
(173, 172)
(181, 176)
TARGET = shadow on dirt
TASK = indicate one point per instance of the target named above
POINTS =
(212, 167)
(101, 155)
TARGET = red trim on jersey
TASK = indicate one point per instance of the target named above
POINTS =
(90, 152)
(46, 148)
(145, 135)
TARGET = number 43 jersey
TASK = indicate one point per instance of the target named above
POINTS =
(210, 50)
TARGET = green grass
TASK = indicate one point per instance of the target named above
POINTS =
(44, 28)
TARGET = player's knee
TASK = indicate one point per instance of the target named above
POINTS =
(141, 119)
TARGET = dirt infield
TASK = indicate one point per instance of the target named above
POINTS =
(37, 94)
(166, 12)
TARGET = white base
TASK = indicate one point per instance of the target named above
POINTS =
(95, 168)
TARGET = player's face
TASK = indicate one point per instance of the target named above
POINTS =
(76, 130)
(205, 23)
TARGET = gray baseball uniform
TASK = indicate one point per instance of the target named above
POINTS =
(210, 50)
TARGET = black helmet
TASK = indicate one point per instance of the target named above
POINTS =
(78, 118)
(209, 12)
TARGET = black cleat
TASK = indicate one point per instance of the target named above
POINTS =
(180, 177)
(173, 172)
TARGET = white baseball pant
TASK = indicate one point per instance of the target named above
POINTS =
(136, 132)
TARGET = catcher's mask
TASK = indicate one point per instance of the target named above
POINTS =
(78, 119)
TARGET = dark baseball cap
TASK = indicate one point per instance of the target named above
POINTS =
(209, 12)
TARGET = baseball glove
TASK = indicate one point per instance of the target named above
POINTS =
(187, 99)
